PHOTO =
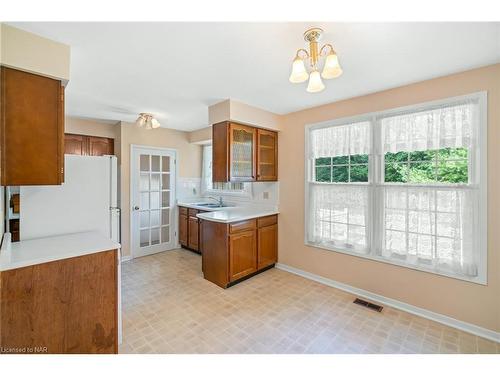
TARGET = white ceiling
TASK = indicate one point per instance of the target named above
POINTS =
(175, 70)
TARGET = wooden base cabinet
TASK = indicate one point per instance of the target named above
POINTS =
(189, 228)
(232, 252)
(64, 306)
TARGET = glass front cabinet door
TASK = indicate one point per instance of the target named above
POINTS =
(267, 155)
(242, 140)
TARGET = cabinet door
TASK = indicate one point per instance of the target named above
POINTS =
(267, 155)
(242, 157)
(32, 129)
(99, 146)
(75, 144)
(183, 229)
(193, 233)
(268, 246)
(242, 254)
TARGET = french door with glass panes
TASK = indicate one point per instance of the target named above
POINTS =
(152, 199)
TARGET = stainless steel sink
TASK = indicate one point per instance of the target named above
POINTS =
(212, 205)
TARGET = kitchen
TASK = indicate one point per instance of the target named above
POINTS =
(217, 226)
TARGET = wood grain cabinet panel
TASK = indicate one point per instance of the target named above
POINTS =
(193, 231)
(32, 129)
(267, 155)
(267, 246)
(65, 306)
(242, 254)
(76, 144)
(183, 229)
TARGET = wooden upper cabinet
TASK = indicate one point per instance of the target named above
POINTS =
(267, 155)
(236, 153)
(32, 129)
(76, 144)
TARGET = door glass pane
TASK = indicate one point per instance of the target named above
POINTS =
(165, 181)
(144, 181)
(144, 237)
(155, 200)
(155, 236)
(165, 199)
(155, 182)
(155, 163)
(165, 234)
(144, 201)
(144, 215)
(165, 216)
(165, 163)
(155, 218)
(145, 163)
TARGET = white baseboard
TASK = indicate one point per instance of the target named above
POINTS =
(126, 258)
(443, 319)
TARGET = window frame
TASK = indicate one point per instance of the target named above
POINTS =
(477, 172)
(246, 192)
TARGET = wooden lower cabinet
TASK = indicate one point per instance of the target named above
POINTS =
(64, 306)
(242, 254)
(189, 228)
(238, 250)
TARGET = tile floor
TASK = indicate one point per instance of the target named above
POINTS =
(169, 308)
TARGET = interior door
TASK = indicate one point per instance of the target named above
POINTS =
(152, 200)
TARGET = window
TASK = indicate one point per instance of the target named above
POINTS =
(405, 186)
(218, 187)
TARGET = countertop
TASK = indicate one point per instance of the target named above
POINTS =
(234, 214)
(42, 250)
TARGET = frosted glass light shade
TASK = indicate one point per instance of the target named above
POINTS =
(140, 121)
(315, 82)
(299, 72)
(155, 123)
(332, 67)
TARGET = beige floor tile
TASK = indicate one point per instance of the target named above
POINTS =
(169, 308)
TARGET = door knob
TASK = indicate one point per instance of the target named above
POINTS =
(136, 208)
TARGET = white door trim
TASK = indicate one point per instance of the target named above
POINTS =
(174, 224)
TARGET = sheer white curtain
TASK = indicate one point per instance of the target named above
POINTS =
(349, 139)
(446, 126)
(431, 225)
(339, 215)
(206, 170)
(339, 212)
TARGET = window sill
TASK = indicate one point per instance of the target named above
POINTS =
(480, 279)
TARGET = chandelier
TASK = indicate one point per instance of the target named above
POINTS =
(331, 67)
(147, 121)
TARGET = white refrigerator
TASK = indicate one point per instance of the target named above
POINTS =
(86, 201)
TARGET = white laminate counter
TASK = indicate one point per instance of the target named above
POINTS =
(235, 214)
(42, 250)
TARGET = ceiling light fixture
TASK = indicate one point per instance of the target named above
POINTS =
(331, 67)
(147, 121)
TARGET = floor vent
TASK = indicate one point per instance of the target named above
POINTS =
(368, 305)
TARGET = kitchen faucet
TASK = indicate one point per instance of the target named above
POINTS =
(218, 199)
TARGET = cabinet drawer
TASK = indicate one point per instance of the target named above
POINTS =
(268, 220)
(193, 212)
(242, 225)
(183, 211)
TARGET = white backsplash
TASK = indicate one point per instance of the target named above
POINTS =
(188, 188)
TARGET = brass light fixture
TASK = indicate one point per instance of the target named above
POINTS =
(147, 121)
(331, 66)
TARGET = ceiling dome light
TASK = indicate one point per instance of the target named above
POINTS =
(315, 83)
(147, 121)
(332, 67)
(299, 72)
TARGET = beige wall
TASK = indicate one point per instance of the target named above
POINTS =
(97, 128)
(200, 136)
(188, 163)
(469, 302)
(32, 53)
(240, 112)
